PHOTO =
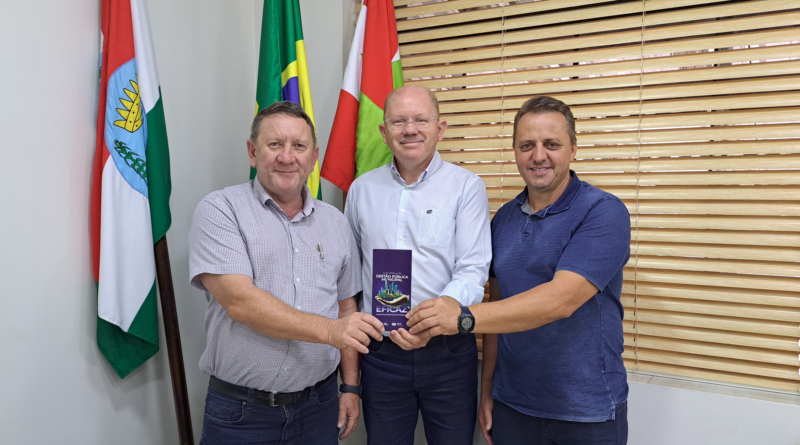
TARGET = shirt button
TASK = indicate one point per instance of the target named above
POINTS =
(298, 307)
(402, 210)
(400, 238)
(296, 250)
(297, 279)
(408, 188)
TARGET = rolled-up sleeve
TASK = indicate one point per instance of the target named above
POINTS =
(473, 246)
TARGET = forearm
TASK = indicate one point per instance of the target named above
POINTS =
(348, 367)
(489, 361)
(536, 307)
(263, 312)
(489, 347)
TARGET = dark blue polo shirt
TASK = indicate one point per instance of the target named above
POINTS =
(570, 369)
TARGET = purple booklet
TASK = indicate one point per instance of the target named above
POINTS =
(391, 287)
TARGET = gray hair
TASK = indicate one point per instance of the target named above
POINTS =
(285, 108)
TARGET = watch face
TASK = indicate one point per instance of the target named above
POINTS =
(466, 323)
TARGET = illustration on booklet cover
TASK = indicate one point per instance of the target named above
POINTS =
(391, 287)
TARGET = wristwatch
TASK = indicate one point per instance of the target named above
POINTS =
(354, 389)
(466, 322)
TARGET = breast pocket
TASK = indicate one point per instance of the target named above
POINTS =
(326, 273)
(436, 227)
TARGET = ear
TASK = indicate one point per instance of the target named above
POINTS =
(442, 127)
(251, 153)
(382, 128)
(316, 155)
(573, 152)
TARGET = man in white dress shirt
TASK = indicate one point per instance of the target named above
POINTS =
(440, 212)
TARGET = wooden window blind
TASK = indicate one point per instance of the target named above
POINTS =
(689, 111)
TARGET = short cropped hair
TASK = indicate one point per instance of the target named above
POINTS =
(431, 96)
(285, 108)
(546, 104)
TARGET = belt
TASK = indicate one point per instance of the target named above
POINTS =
(272, 399)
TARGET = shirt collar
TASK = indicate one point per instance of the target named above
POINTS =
(264, 198)
(433, 166)
(562, 203)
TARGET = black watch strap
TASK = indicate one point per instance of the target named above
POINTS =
(344, 387)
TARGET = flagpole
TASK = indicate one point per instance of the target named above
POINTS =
(174, 350)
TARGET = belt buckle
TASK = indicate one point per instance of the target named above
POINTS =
(271, 400)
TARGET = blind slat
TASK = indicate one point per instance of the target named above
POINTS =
(722, 280)
(591, 55)
(720, 364)
(755, 193)
(756, 253)
(742, 101)
(784, 329)
(671, 121)
(721, 266)
(739, 379)
(709, 293)
(723, 87)
(665, 178)
(551, 18)
(730, 352)
(652, 19)
(732, 311)
(619, 81)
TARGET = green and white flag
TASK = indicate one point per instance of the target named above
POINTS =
(130, 187)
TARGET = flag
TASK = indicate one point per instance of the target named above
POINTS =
(282, 67)
(373, 71)
(130, 187)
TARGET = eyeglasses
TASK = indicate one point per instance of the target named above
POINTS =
(397, 124)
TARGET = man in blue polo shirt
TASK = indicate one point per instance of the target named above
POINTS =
(554, 374)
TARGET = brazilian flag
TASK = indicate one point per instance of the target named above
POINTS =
(282, 67)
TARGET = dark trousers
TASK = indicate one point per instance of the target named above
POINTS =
(511, 427)
(312, 422)
(439, 380)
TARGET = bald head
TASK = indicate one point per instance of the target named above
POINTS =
(410, 91)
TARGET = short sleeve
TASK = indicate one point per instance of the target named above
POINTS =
(349, 281)
(600, 246)
(215, 242)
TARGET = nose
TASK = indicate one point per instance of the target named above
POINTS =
(410, 127)
(539, 154)
(285, 155)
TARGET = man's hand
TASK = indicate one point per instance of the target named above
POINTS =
(354, 331)
(408, 341)
(348, 413)
(437, 316)
(485, 416)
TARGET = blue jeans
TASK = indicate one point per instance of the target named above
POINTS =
(511, 427)
(312, 422)
(440, 380)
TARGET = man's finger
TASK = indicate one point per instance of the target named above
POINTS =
(352, 423)
(407, 336)
(400, 341)
(421, 326)
(419, 316)
(377, 324)
(352, 343)
(342, 415)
